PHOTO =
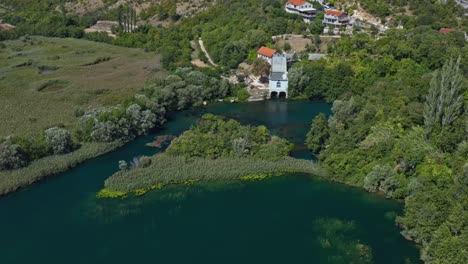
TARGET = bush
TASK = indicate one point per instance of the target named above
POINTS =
(11, 156)
(379, 174)
(59, 140)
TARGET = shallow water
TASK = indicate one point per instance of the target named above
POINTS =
(288, 219)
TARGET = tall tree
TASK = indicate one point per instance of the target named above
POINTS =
(120, 11)
(444, 101)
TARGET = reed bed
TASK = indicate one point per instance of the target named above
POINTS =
(166, 169)
(39, 169)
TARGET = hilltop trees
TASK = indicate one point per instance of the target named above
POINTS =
(127, 18)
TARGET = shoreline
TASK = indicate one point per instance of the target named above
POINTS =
(41, 169)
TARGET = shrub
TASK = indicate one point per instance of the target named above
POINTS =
(59, 140)
(11, 156)
(379, 174)
(123, 165)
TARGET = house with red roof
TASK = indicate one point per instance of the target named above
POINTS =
(446, 30)
(335, 18)
(266, 53)
(302, 8)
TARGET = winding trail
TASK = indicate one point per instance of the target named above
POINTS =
(206, 52)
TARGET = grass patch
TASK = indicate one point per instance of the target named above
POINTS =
(166, 170)
(28, 63)
(44, 69)
(121, 77)
(10, 181)
(97, 61)
(52, 86)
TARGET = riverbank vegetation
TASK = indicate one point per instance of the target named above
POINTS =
(214, 149)
(399, 126)
(166, 169)
(11, 180)
(134, 116)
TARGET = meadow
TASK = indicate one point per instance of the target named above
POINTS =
(45, 81)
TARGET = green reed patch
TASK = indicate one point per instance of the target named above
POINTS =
(39, 169)
(166, 169)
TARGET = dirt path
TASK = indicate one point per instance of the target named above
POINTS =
(195, 59)
(206, 52)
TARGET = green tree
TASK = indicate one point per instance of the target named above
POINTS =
(317, 26)
(379, 174)
(59, 140)
(444, 101)
(261, 67)
(318, 134)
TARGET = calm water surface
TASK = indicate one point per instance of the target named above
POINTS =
(291, 219)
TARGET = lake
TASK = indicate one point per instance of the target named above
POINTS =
(288, 219)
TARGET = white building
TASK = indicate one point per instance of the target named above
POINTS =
(266, 53)
(302, 8)
(335, 18)
(278, 85)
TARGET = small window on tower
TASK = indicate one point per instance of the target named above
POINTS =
(278, 85)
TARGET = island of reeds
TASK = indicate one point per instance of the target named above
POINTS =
(214, 149)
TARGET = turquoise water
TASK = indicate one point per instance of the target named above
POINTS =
(290, 219)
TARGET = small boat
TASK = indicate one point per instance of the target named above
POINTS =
(233, 100)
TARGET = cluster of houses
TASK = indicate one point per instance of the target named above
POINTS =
(278, 79)
(332, 17)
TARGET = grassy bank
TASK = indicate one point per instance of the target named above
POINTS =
(166, 169)
(10, 181)
(43, 81)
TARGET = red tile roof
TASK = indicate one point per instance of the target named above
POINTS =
(334, 13)
(297, 2)
(266, 51)
(446, 30)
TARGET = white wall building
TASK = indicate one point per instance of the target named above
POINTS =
(335, 18)
(302, 8)
(278, 84)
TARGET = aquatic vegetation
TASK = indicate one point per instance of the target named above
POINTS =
(106, 193)
(166, 169)
(255, 177)
(335, 237)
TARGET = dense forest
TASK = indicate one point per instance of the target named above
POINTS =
(398, 127)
